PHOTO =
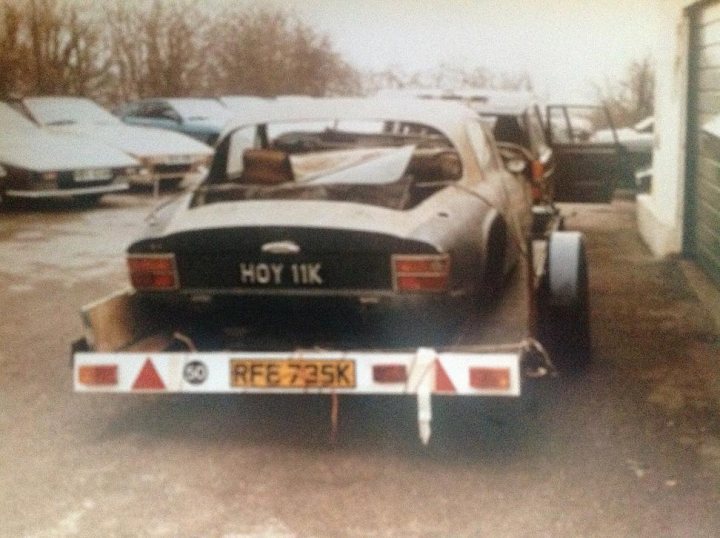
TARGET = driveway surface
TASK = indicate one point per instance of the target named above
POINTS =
(629, 448)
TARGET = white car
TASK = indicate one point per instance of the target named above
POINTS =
(37, 163)
(167, 156)
(635, 139)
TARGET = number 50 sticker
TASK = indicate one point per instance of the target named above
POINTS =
(195, 372)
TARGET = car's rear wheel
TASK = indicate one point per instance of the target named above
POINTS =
(493, 278)
(564, 303)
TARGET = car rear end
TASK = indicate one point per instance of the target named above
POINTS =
(290, 262)
(59, 183)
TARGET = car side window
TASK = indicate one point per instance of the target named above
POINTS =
(144, 110)
(157, 111)
(133, 110)
(240, 140)
(483, 146)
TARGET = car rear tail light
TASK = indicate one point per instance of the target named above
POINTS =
(537, 173)
(425, 272)
(490, 378)
(389, 373)
(153, 271)
(537, 170)
(98, 375)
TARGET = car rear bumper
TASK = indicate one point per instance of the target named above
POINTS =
(159, 173)
(62, 193)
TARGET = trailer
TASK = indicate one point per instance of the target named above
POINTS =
(133, 346)
(443, 252)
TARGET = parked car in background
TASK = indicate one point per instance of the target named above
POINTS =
(37, 163)
(636, 139)
(202, 119)
(165, 156)
(638, 144)
(562, 167)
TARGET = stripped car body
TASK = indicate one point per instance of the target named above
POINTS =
(347, 198)
(164, 155)
(345, 201)
(40, 164)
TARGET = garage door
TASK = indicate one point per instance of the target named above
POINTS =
(702, 236)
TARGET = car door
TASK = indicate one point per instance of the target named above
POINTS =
(585, 170)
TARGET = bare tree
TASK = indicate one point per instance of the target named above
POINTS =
(66, 52)
(158, 49)
(631, 98)
(12, 51)
(117, 51)
(270, 52)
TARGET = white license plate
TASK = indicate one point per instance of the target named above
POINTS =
(93, 174)
(178, 159)
(281, 274)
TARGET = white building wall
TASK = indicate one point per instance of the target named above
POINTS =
(660, 212)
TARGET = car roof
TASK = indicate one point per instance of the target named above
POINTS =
(56, 99)
(183, 99)
(448, 118)
(481, 101)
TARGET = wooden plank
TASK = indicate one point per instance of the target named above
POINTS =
(707, 216)
(709, 170)
(708, 79)
(708, 257)
(703, 118)
(708, 56)
(709, 14)
(709, 238)
(709, 34)
(709, 101)
(709, 194)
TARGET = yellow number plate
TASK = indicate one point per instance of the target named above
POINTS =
(292, 374)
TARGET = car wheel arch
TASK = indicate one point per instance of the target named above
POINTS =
(494, 238)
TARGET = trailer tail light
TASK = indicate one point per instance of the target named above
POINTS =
(537, 170)
(153, 271)
(421, 272)
(99, 375)
(490, 378)
(389, 373)
(537, 174)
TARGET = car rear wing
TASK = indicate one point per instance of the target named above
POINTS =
(126, 350)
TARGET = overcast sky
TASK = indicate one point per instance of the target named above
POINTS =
(563, 44)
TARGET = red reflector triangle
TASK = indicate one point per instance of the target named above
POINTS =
(442, 380)
(148, 378)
